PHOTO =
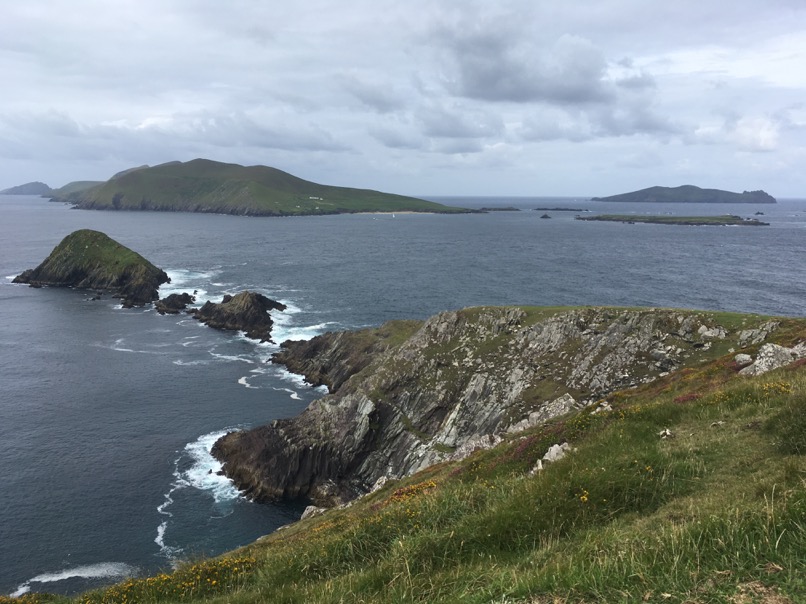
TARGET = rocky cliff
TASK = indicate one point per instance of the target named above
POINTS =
(246, 311)
(408, 395)
(88, 259)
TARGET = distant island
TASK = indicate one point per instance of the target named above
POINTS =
(29, 188)
(499, 209)
(689, 194)
(203, 185)
(724, 220)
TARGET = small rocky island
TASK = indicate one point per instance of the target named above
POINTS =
(88, 259)
(723, 220)
(246, 311)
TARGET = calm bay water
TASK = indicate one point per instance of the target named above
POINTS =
(107, 415)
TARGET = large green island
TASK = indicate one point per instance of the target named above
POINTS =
(203, 185)
(688, 194)
(723, 220)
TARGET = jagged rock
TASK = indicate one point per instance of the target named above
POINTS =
(749, 337)
(665, 433)
(556, 452)
(311, 511)
(557, 407)
(773, 356)
(603, 407)
(246, 311)
(89, 259)
(405, 397)
(742, 359)
(174, 303)
(482, 443)
(718, 333)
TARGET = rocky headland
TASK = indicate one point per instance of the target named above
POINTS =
(88, 259)
(410, 394)
(246, 311)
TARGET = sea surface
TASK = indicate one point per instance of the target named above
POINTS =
(107, 415)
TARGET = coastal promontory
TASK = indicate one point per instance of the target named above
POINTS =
(407, 395)
(203, 185)
(688, 194)
(88, 259)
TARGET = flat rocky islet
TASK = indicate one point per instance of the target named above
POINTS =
(723, 220)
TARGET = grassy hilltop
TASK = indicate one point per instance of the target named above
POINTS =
(689, 488)
(207, 186)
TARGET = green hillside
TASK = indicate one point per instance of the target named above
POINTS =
(689, 194)
(72, 187)
(207, 186)
(689, 488)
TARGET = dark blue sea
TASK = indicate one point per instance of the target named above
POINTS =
(107, 415)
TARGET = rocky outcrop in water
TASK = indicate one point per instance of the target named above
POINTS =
(88, 259)
(174, 304)
(410, 394)
(246, 311)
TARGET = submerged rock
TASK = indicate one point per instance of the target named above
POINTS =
(246, 311)
(89, 259)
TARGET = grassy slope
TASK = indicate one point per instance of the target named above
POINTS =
(207, 186)
(715, 513)
(73, 187)
(723, 220)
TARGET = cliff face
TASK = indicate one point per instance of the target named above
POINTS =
(88, 259)
(402, 398)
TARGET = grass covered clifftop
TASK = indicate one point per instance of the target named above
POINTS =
(88, 259)
(207, 186)
(689, 194)
(689, 488)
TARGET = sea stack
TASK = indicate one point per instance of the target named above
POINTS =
(246, 311)
(88, 259)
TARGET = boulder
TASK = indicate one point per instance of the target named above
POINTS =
(772, 356)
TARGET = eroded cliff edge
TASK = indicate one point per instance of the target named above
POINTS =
(410, 394)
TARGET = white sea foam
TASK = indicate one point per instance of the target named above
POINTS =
(244, 381)
(202, 474)
(232, 357)
(293, 393)
(102, 570)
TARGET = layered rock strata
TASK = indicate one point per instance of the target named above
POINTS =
(408, 395)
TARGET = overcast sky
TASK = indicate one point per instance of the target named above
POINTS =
(439, 97)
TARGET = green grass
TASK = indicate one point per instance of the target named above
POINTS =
(715, 512)
(207, 186)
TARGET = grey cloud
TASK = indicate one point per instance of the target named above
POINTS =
(494, 64)
(457, 121)
(381, 97)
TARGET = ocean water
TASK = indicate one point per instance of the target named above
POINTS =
(107, 415)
